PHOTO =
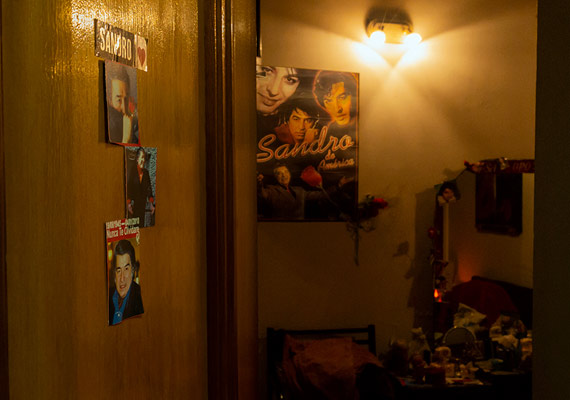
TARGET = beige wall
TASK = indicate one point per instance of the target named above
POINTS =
(470, 96)
(496, 256)
(63, 182)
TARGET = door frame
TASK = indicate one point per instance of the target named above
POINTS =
(229, 62)
(4, 376)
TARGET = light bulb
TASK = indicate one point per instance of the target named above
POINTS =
(377, 38)
(412, 39)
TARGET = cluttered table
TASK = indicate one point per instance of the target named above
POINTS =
(497, 385)
(469, 362)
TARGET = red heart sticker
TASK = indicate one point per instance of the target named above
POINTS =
(142, 55)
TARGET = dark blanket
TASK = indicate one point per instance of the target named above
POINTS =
(333, 369)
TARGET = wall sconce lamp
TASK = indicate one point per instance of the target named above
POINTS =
(381, 32)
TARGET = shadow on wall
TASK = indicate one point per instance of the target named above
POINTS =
(421, 295)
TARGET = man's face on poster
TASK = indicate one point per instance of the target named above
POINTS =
(337, 103)
(119, 95)
(274, 85)
(140, 159)
(299, 123)
(282, 175)
(123, 274)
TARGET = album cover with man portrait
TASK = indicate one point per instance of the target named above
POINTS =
(121, 99)
(123, 270)
(307, 144)
(140, 184)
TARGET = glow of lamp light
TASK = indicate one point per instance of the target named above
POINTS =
(377, 38)
(412, 39)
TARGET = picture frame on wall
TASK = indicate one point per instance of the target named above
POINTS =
(499, 203)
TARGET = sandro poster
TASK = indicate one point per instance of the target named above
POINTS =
(140, 184)
(123, 269)
(307, 144)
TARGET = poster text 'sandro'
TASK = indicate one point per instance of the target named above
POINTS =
(115, 43)
(317, 147)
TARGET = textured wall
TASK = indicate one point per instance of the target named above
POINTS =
(468, 95)
(63, 182)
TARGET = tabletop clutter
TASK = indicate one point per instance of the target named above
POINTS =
(465, 354)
